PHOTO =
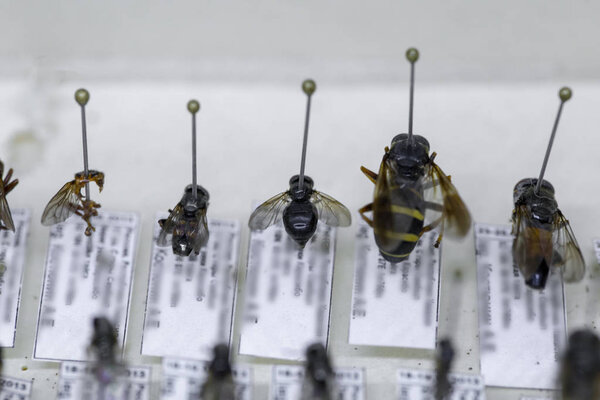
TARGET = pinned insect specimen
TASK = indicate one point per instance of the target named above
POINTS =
(69, 199)
(580, 370)
(301, 206)
(219, 385)
(6, 185)
(444, 359)
(409, 182)
(543, 237)
(104, 347)
(319, 378)
(186, 225)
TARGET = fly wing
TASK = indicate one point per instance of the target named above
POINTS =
(62, 205)
(567, 254)
(331, 211)
(167, 225)
(6, 221)
(200, 235)
(270, 212)
(456, 219)
(532, 246)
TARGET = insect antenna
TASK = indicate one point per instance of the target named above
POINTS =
(193, 107)
(82, 97)
(308, 86)
(412, 55)
(565, 94)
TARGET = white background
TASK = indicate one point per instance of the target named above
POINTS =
(486, 95)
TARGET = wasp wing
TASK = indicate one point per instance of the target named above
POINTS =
(455, 217)
(270, 212)
(167, 225)
(200, 234)
(567, 254)
(62, 205)
(331, 211)
(532, 246)
(6, 221)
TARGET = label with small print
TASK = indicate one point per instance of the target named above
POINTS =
(521, 330)
(13, 388)
(395, 305)
(78, 381)
(597, 249)
(85, 277)
(183, 379)
(288, 293)
(12, 261)
(414, 384)
(192, 298)
(288, 381)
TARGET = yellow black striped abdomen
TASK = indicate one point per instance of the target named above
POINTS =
(398, 220)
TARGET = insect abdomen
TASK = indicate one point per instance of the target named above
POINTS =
(398, 225)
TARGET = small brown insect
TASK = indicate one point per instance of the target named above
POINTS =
(69, 200)
(6, 185)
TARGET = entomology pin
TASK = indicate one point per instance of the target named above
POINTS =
(412, 194)
(543, 237)
(301, 207)
(186, 226)
(69, 199)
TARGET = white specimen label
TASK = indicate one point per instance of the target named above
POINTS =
(597, 248)
(288, 293)
(85, 277)
(13, 388)
(288, 381)
(521, 330)
(395, 305)
(12, 260)
(77, 381)
(191, 298)
(183, 379)
(414, 384)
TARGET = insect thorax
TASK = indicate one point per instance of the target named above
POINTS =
(409, 159)
(301, 194)
(191, 205)
(542, 205)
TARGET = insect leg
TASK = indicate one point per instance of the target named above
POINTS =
(433, 225)
(362, 211)
(370, 174)
(8, 176)
(1, 169)
(434, 206)
(10, 186)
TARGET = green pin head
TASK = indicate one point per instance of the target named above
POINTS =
(565, 93)
(309, 86)
(82, 97)
(412, 55)
(193, 106)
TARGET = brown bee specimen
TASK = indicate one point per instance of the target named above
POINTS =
(6, 185)
(69, 199)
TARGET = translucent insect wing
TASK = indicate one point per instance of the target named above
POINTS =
(331, 211)
(531, 246)
(62, 205)
(270, 212)
(169, 224)
(567, 253)
(200, 235)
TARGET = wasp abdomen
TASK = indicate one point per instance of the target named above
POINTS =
(300, 221)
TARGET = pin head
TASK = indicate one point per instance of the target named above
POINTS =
(412, 55)
(82, 97)
(193, 106)
(565, 93)
(309, 86)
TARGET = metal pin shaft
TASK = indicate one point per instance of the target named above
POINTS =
(194, 177)
(411, 103)
(539, 182)
(85, 152)
(303, 162)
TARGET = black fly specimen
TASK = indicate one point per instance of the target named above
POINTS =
(6, 185)
(219, 384)
(543, 236)
(444, 359)
(409, 182)
(186, 225)
(301, 207)
(104, 347)
(580, 371)
(319, 378)
(69, 200)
